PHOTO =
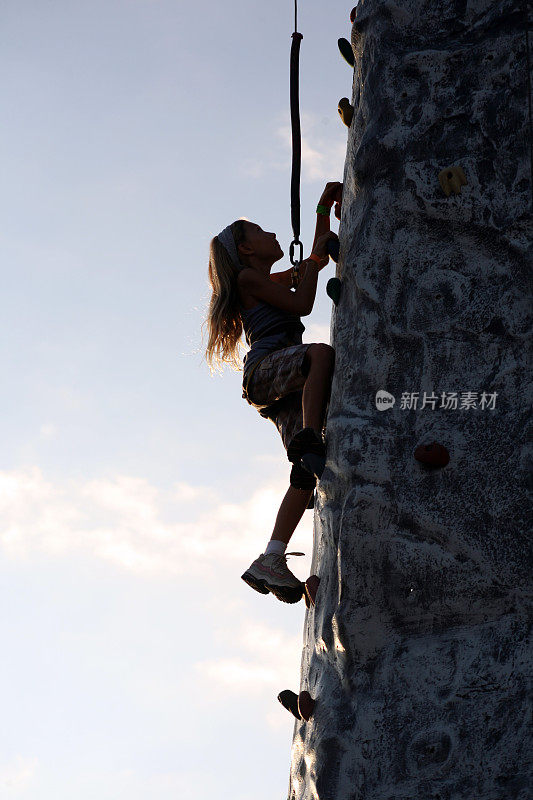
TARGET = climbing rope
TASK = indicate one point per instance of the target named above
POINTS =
(296, 144)
(529, 97)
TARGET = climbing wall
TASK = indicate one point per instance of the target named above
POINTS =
(416, 651)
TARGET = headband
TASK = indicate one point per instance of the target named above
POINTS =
(225, 237)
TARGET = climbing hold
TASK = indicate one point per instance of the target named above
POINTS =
(289, 700)
(311, 588)
(429, 749)
(306, 705)
(338, 201)
(333, 247)
(314, 464)
(305, 441)
(346, 111)
(333, 289)
(357, 30)
(346, 51)
(451, 179)
(434, 454)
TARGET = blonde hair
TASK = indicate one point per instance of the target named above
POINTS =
(223, 317)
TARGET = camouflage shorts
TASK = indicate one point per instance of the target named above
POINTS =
(275, 389)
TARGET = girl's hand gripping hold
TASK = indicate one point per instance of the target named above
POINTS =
(320, 248)
(331, 194)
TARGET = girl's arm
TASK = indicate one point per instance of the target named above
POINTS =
(299, 302)
(283, 278)
(331, 194)
(322, 227)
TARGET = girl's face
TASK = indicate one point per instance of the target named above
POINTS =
(260, 245)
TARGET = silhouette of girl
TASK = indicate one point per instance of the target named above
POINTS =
(285, 380)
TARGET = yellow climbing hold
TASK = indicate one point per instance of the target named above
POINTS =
(346, 111)
(451, 179)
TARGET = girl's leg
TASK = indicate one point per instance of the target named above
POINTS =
(318, 368)
(290, 513)
(269, 572)
(319, 361)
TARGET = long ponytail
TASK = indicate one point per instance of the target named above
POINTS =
(223, 318)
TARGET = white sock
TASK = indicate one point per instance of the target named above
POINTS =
(275, 546)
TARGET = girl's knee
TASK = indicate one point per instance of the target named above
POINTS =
(321, 350)
(322, 354)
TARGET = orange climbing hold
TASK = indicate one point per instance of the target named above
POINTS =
(301, 706)
(434, 454)
(311, 588)
(345, 110)
(451, 179)
(306, 705)
(289, 700)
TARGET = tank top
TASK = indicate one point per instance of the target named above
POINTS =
(266, 329)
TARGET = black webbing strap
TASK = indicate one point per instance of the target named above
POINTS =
(529, 97)
(296, 148)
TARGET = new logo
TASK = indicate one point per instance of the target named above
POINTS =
(384, 400)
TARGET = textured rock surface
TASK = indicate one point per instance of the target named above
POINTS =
(416, 650)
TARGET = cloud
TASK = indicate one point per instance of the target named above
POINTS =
(267, 660)
(140, 529)
(323, 150)
(237, 674)
(48, 431)
(139, 783)
(187, 530)
(17, 776)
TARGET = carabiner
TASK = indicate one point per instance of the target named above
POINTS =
(291, 253)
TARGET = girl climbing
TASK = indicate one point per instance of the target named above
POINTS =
(285, 380)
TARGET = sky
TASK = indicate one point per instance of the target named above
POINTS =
(136, 487)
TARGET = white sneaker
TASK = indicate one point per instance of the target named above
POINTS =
(269, 573)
